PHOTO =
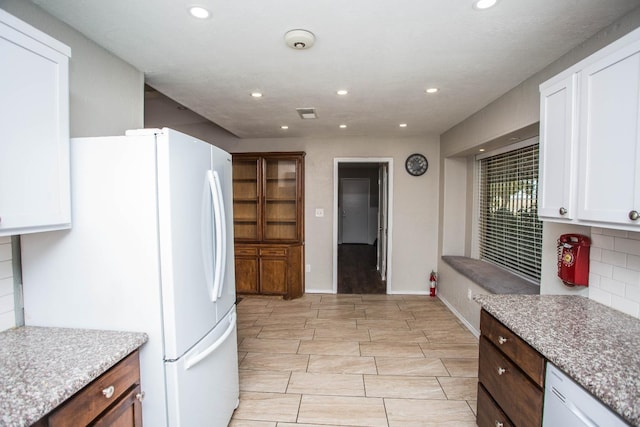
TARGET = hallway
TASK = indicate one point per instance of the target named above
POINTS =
(357, 272)
(354, 360)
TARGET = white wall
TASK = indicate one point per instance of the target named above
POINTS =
(106, 98)
(516, 112)
(415, 219)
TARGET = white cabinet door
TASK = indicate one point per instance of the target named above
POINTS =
(556, 195)
(609, 164)
(34, 118)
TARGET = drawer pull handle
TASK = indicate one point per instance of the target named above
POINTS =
(502, 339)
(501, 371)
(499, 423)
(108, 392)
(140, 396)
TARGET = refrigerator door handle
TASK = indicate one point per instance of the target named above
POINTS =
(220, 233)
(192, 361)
(207, 231)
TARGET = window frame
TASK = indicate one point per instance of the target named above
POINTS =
(475, 238)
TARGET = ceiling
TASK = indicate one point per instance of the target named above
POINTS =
(385, 53)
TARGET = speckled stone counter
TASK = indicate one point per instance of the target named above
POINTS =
(42, 367)
(595, 345)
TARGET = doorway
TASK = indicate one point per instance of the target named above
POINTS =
(362, 225)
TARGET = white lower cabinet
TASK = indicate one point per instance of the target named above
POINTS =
(34, 118)
(590, 140)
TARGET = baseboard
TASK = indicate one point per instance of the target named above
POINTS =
(319, 291)
(464, 321)
(408, 293)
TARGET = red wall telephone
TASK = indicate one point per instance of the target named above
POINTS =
(573, 259)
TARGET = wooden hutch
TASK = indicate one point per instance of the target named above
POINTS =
(268, 219)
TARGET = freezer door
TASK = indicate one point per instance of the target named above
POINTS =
(202, 386)
(184, 204)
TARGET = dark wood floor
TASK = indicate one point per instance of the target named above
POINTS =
(357, 272)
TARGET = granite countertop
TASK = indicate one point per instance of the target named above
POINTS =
(597, 346)
(42, 367)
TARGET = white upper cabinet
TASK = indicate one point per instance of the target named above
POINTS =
(590, 140)
(558, 149)
(609, 174)
(34, 119)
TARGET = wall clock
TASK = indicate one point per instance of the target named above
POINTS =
(416, 164)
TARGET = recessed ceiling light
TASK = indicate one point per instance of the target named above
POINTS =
(199, 12)
(343, 126)
(403, 125)
(432, 90)
(285, 127)
(256, 94)
(342, 92)
(484, 4)
(482, 150)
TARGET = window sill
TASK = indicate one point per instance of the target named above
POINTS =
(490, 277)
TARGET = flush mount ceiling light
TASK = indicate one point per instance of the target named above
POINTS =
(256, 94)
(199, 12)
(484, 4)
(342, 92)
(284, 127)
(403, 125)
(432, 90)
(299, 39)
(343, 126)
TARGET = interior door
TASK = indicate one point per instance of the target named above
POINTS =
(383, 173)
(355, 210)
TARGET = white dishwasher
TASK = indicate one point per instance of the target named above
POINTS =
(567, 404)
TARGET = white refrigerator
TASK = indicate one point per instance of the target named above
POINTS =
(150, 250)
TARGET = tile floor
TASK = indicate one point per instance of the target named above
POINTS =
(354, 360)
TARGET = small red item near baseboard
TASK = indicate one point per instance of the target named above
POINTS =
(433, 283)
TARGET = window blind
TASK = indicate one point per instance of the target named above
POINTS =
(510, 232)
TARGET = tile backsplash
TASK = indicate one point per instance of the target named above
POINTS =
(7, 311)
(614, 273)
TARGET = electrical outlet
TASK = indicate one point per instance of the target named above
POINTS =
(319, 212)
(469, 294)
(307, 268)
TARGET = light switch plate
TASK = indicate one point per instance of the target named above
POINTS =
(319, 212)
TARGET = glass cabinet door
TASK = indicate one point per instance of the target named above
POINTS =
(246, 199)
(281, 199)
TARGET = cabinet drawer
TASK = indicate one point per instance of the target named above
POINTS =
(521, 353)
(89, 402)
(246, 251)
(519, 398)
(273, 251)
(490, 414)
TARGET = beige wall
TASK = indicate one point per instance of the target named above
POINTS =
(106, 93)
(514, 114)
(415, 225)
